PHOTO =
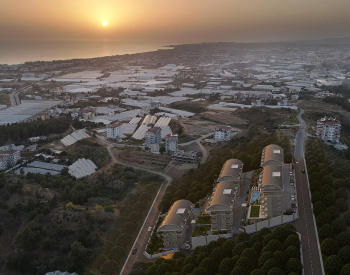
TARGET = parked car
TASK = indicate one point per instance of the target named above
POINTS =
(290, 173)
(134, 250)
(292, 197)
(291, 183)
(149, 229)
(303, 171)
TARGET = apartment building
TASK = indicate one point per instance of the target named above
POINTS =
(153, 136)
(171, 143)
(222, 133)
(175, 224)
(272, 154)
(328, 129)
(9, 158)
(114, 130)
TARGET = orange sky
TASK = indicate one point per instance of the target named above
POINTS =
(180, 21)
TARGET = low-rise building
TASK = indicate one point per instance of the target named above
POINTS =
(171, 143)
(182, 157)
(222, 133)
(115, 130)
(328, 129)
(175, 224)
(272, 154)
(221, 205)
(153, 136)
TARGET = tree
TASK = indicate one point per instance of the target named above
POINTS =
(188, 268)
(333, 265)
(329, 199)
(200, 271)
(319, 207)
(178, 255)
(238, 270)
(276, 271)
(129, 227)
(124, 240)
(329, 247)
(342, 205)
(164, 267)
(269, 264)
(334, 212)
(218, 254)
(341, 193)
(293, 265)
(250, 253)
(238, 249)
(245, 262)
(343, 239)
(323, 218)
(292, 239)
(345, 270)
(135, 217)
(226, 266)
(77, 258)
(346, 218)
(344, 254)
(257, 272)
(280, 257)
(243, 237)
(339, 225)
(292, 252)
(209, 264)
(117, 254)
(326, 231)
(264, 257)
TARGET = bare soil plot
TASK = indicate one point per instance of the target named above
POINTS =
(142, 159)
(224, 117)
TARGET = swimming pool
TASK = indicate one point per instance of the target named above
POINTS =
(255, 197)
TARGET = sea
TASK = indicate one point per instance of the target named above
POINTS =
(19, 52)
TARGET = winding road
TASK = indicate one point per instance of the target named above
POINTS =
(306, 224)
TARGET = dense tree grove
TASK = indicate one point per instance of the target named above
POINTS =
(329, 183)
(268, 252)
(20, 132)
(62, 224)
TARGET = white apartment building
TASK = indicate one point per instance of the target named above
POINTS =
(328, 129)
(153, 136)
(222, 133)
(171, 142)
(114, 130)
(9, 158)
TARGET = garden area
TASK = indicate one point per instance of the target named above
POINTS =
(201, 230)
(254, 211)
(204, 219)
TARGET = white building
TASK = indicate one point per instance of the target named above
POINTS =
(328, 129)
(153, 136)
(222, 133)
(171, 142)
(9, 158)
(114, 130)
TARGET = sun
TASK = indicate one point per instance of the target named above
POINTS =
(104, 23)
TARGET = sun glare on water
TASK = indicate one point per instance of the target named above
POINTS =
(104, 23)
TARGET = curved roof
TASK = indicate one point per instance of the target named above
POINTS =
(231, 170)
(273, 153)
(177, 216)
(271, 176)
(222, 197)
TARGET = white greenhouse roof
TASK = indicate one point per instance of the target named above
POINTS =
(82, 168)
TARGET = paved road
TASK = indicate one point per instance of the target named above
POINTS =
(306, 224)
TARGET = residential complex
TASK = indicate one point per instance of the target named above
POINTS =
(222, 133)
(328, 129)
(175, 224)
(115, 130)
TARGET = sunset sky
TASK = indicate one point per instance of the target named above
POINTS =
(180, 21)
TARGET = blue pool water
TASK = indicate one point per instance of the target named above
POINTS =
(255, 196)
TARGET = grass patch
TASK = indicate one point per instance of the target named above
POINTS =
(204, 219)
(254, 211)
